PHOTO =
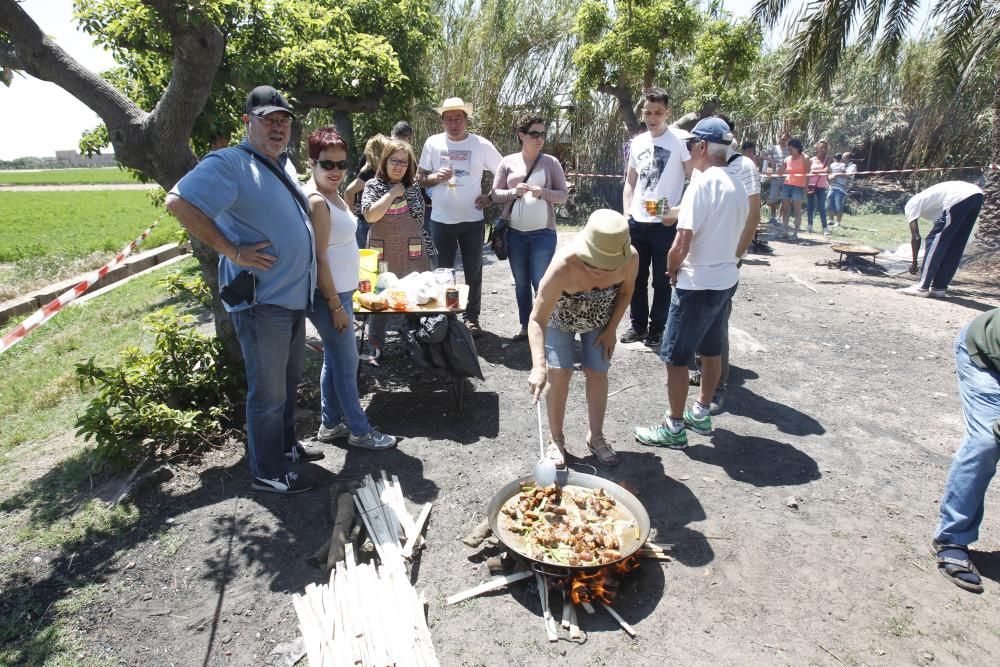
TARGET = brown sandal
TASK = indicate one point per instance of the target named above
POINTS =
(602, 451)
(556, 451)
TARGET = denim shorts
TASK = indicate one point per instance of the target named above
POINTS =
(695, 324)
(793, 193)
(559, 349)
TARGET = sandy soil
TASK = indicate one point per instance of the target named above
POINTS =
(842, 396)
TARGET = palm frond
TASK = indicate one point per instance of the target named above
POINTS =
(767, 12)
(895, 25)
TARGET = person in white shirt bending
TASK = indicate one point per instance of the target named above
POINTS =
(702, 264)
(451, 166)
(954, 207)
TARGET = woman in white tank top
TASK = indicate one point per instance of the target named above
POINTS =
(338, 262)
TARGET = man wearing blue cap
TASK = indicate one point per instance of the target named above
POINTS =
(702, 265)
(245, 203)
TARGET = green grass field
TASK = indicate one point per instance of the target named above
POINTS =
(51, 236)
(66, 176)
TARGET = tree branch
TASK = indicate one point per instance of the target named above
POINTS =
(312, 99)
(198, 50)
(32, 51)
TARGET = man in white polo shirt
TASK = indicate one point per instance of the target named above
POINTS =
(451, 166)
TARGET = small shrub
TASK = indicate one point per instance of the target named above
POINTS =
(192, 285)
(176, 399)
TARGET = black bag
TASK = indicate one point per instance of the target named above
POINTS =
(498, 232)
(460, 351)
(423, 337)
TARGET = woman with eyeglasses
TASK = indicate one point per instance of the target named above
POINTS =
(528, 184)
(584, 293)
(337, 263)
(394, 207)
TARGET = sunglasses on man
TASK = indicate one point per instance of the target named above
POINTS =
(535, 134)
(330, 165)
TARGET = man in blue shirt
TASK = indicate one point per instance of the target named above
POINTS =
(245, 203)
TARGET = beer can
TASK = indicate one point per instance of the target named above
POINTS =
(365, 286)
(662, 206)
(451, 297)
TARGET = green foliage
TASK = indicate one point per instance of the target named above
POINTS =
(174, 400)
(627, 45)
(319, 52)
(725, 53)
(190, 285)
(74, 224)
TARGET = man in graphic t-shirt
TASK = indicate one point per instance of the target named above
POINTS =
(451, 166)
(657, 165)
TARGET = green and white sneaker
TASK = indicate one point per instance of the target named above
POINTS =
(702, 425)
(661, 436)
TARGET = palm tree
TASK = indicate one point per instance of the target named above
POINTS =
(970, 38)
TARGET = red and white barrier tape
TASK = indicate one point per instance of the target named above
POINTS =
(45, 313)
(994, 167)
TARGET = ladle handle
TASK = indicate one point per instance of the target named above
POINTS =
(541, 438)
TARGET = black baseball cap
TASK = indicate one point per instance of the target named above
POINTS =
(263, 100)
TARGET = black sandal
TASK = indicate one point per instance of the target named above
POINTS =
(957, 563)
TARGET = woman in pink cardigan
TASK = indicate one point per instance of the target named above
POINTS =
(528, 184)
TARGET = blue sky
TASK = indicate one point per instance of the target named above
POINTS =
(47, 119)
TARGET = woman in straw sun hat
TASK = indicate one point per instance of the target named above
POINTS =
(585, 291)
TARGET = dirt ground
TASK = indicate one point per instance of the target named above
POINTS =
(843, 396)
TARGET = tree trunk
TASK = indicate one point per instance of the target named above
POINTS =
(626, 108)
(988, 230)
(345, 128)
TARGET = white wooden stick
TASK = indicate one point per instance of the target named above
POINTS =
(418, 528)
(621, 621)
(491, 585)
(587, 607)
(564, 617)
(574, 627)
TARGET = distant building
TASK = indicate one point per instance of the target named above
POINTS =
(74, 159)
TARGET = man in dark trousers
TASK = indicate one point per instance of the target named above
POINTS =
(954, 207)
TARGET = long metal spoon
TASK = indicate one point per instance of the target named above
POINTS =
(545, 470)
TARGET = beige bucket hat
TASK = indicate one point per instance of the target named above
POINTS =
(455, 104)
(604, 242)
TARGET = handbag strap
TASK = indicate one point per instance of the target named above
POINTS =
(283, 177)
(526, 177)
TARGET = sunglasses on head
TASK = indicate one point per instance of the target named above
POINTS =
(535, 134)
(330, 165)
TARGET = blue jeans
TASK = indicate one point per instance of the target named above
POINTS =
(816, 202)
(836, 201)
(559, 349)
(652, 241)
(976, 460)
(361, 233)
(273, 341)
(697, 323)
(338, 381)
(529, 254)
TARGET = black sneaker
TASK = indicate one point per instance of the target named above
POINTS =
(289, 483)
(631, 336)
(654, 339)
(299, 454)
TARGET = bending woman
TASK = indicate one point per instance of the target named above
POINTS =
(337, 263)
(585, 291)
(528, 204)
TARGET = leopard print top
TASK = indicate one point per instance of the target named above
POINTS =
(581, 312)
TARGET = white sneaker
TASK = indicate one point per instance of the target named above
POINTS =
(914, 290)
(372, 440)
(937, 293)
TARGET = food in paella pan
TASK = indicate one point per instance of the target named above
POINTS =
(571, 525)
